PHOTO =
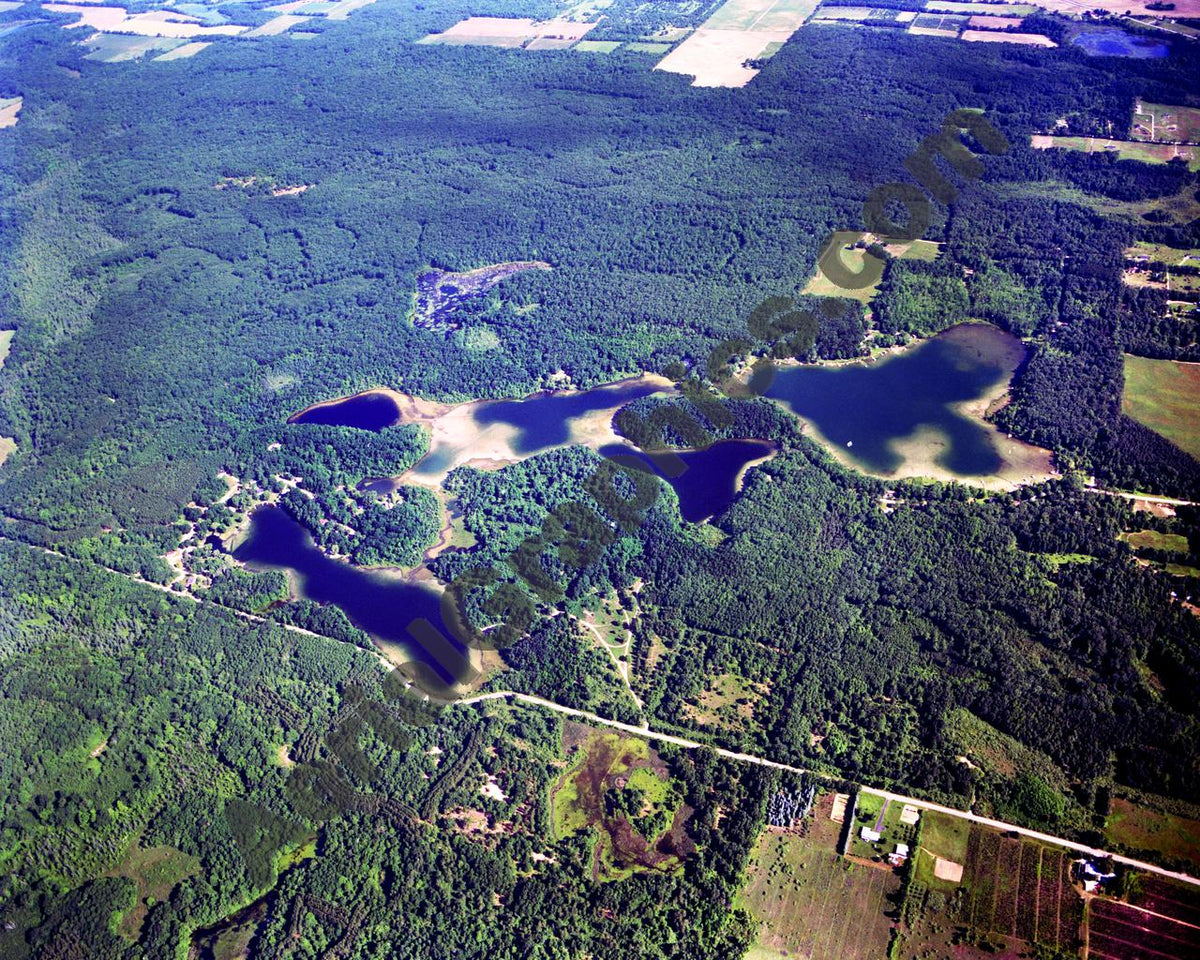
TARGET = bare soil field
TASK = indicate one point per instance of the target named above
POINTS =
(157, 23)
(511, 32)
(280, 24)
(995, 36)
(10, 109)
(991, 9)
(739, 31)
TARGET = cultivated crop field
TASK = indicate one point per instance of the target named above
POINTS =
(811, 902)
(1165, 396)
(1162, 920)
(1020, 889)
(738, 30)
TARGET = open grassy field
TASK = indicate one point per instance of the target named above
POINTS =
(943, 839)
(280, 24)
(1165, 396)
(156, 871)
(597, 46)
(187, 50)
(728, 701)
(1165, 123)
(1138, 826)
(812, 903)
(1161, 253)
(855, 258)
(1153, 540)
(1124, 149)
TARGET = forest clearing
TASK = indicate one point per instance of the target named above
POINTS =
(1165, 396)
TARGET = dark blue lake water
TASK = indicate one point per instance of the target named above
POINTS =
(367, 411)
(383, 606)
(865, 408)
(710, 478)
(1115, 42)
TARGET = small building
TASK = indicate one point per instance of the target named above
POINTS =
(838, 813)
(871, 836)
(909, 815)
(1092, 878)
(899, 856)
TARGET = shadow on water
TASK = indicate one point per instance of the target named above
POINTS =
(383, 606)
(544, 420)
(711, 477)
(865, 408)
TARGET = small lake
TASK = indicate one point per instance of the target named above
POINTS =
(920, 412)
(711, 477)
(381, 605)
(367, 411)
(1115, 42)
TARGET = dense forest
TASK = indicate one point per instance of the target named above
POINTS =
(185, 767)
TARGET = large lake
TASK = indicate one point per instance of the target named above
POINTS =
(919, 412)
(383, 606)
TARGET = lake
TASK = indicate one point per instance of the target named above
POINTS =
(373, 410)
(489, 433)
(1115, 42)
(382, 605)
(711, 477)
(919, 412)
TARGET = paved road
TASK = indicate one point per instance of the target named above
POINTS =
(645, 731)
